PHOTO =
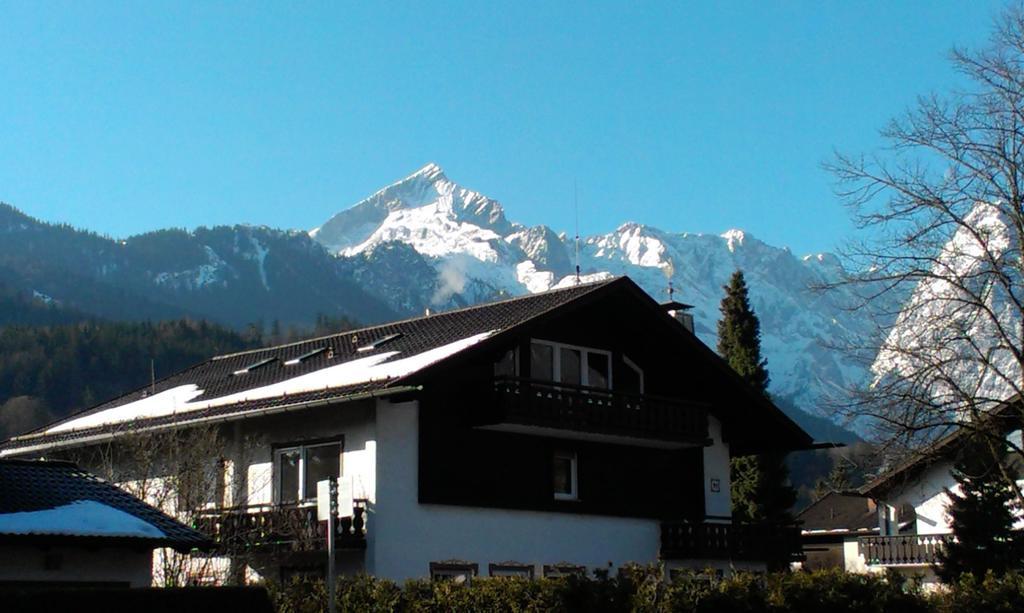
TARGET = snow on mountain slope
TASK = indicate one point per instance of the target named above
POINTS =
(426, 242)
(942, 330)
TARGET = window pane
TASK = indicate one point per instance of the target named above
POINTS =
(571, 366)
(506, 366)
(322, 462)
(563, 475)
(597, 370)
(542, 362)
(629, 380)
(288, 475)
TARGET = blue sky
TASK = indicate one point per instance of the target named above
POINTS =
(126, 117)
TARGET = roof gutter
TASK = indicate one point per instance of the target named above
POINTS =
(107, 436)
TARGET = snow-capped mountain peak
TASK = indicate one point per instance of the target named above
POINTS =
(426, 208)
(426, 241)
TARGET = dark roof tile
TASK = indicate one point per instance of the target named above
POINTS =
(37, 485)
(216, 378)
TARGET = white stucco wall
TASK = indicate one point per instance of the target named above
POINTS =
(75, 564)
(927, 496)
(716, 467)
(405, 536)
(853, 561)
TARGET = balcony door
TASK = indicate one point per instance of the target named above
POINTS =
(298, 468)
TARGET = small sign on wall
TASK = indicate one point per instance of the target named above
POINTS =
(716, 485)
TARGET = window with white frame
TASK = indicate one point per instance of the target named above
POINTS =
(510, 569)
(455, 571)
(564, 476)
(564, 569)
(298, 468)
(570, 364)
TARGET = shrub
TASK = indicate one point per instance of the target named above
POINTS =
(642, 590)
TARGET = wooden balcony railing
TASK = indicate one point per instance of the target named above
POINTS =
(264, 528)
(579, 408)
(904, 550)
(753, 542)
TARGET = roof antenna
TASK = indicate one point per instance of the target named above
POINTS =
(576, 206)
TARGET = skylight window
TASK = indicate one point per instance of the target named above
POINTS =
(306, 356)
(380, 341)
(254, 366)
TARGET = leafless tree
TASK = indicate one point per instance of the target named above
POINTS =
(943, 209)
(188, 474)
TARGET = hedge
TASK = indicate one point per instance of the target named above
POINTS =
(642, 591)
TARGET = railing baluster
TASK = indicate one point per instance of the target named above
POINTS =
(906, 549)
(694, 540)
(582, 408)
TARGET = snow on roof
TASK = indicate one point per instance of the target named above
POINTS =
(361, 370)
(79, 518)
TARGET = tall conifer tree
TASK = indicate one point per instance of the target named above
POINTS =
(981, 515)
(760, 489)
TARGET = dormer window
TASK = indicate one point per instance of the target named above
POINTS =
(570, 364)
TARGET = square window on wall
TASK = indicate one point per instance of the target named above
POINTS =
(564, 476)
(455, 571)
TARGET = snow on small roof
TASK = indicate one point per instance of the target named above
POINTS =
(80, 518)
(51, 499)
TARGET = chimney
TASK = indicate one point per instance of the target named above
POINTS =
(681, 313)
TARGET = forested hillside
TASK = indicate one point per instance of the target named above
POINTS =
(50, 371)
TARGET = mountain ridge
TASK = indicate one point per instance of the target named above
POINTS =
(464, 249)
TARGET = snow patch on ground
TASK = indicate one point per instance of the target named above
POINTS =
(40, 296)
(196, 278)
(80, 518)
(259, 255)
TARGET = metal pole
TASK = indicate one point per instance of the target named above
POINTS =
(332, 521)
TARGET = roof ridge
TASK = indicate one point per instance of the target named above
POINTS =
(592, 285)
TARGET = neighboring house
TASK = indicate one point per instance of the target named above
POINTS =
(62, 525)
(831, 528)
(577, 429)
(910, 502)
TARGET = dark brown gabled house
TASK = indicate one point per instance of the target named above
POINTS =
(830, 529)
(582, 427)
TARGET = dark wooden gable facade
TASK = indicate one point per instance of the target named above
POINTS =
(484, 443)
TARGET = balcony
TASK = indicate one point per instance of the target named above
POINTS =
(589, 413)
(752, 542)
(279, 528)
(907, 550)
